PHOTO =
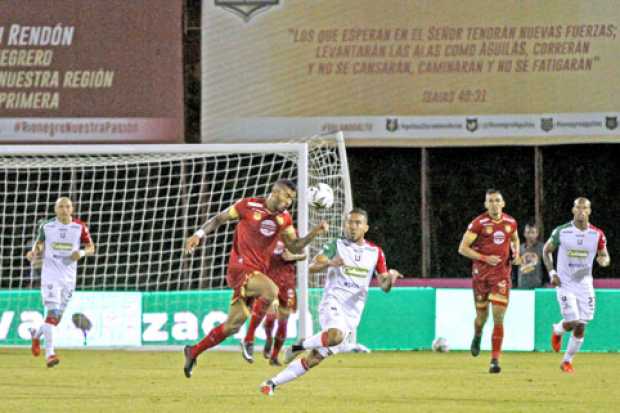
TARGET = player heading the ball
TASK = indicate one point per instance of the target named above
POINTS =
(260, 222)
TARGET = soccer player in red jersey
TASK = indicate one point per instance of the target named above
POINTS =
(261, 221)
(488, 242)
(283, 274)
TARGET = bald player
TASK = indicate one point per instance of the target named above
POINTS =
(57, 246)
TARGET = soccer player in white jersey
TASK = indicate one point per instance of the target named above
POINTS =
(58, 246)
(351, 264)
(578, 243)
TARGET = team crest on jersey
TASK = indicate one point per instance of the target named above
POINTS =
(508, 228)
(258, 216)
(499, 237)
(268, 228)
(488, 229)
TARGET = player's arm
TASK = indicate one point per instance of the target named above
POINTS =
(89, 245)
(387, 279)
(548, 249)
(466, 250)
(36, 252)
(327, 258)
(295, 244)
(230, 214)
(289, 256)
(515, 245)
(602, 257)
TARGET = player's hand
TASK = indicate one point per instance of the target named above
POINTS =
(191, 244)
(603, 260)
(394, 275)
(75, 255)
(517, 260)
(323, 227)
(31, 256)
(555, 280)
(492, 260)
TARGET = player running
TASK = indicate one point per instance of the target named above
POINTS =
(283, 273)
(261, 221)
(579, 242)
(351, 263)
(488, 242)
(58, 247)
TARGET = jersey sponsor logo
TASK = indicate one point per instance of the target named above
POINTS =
(577, 253)
(355, 271)
(62, 246)
(268, 228)
(499, 237)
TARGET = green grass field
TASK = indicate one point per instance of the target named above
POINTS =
(116, 381)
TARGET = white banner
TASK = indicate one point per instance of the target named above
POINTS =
(455, 314)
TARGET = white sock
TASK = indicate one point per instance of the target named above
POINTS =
(48, 333)
(559, 328)
(38, 331)
(291, 372)
(574, 344)
(316, 341)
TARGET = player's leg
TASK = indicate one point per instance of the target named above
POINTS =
(585, 306)
(52, 301)
(481, 302)
(268, 324)
(237, 314)
(264, 291)
(498, 297)
(333, 325)
(570, 316)
(300, 367)
(283, 315)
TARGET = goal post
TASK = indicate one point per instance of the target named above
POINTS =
(141, 202)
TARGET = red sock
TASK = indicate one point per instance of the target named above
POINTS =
(270, 320)
(259, 309)
(215, 337)
(280, 337)
(496, 340)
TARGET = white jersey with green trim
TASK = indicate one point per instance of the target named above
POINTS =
(61, 240)
(348, 284)
(576, 251)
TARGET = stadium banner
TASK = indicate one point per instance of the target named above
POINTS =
(400, 73)
(114, 319)
(602, 333)
(455, 313)
(111, 73)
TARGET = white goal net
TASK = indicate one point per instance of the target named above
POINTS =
(141, 203)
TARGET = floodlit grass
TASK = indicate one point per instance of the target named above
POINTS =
(118, 381)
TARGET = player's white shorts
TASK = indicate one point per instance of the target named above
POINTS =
(333, 315)
(577, 303)
(56, 294)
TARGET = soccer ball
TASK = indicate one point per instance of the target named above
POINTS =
(440, 345)
(321, 196)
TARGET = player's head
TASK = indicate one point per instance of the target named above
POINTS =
(63, 208)
(530, 232)
(494, 202)
(282, 195)
(356, 225)
(582, 209)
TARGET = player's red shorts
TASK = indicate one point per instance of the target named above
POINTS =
(237, 277)
(287, 295)
(493, 288)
